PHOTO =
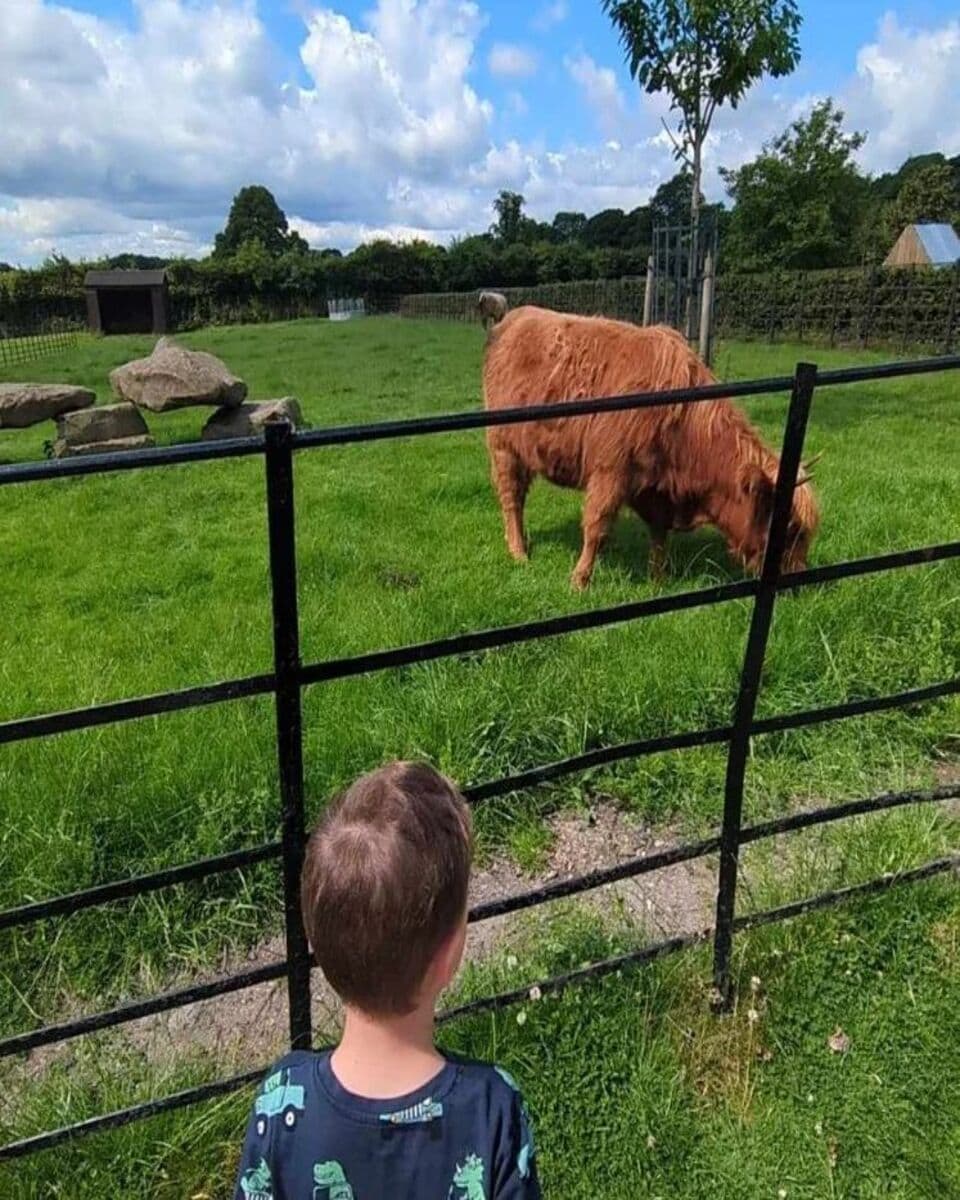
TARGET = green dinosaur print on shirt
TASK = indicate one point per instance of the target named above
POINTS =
(330, 1179)
(469, 1177)
(257, 1184)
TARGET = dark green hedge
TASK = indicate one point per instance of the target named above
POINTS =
(899, 308)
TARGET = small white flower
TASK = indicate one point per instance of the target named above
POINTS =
(809, 1097)
(522, 1017)
(818, 1129)
(651, 1142)
(755, 984)
(753, 1016)
(536, 994)
(782, 1194)
(512, 961)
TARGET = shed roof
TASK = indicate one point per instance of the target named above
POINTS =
(125, 279)
(940, 242)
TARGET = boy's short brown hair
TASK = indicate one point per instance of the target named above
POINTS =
(385, 883)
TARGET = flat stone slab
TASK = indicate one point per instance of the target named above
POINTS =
(104, 423)
(62, 449)
(249, 419)
(23, 404)
(173, 377)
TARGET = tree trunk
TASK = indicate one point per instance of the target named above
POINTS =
(694, 234)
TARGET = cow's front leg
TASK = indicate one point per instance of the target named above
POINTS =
(602, 503)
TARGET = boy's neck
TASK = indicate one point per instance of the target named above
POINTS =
(381, 1058)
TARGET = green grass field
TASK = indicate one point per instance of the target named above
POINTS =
(138, 582)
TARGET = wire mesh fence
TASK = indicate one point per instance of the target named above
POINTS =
(290, 676)
(29, 332)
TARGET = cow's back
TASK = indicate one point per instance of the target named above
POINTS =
(536, 356)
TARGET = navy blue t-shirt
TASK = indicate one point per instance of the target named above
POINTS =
(465, 1135)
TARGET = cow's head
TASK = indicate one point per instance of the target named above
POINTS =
(758, 487)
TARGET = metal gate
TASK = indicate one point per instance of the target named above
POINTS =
(684, 260)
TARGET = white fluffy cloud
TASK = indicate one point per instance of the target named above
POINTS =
(512, 61)
(600, 90)
(550, 14)
(906, 94)
(122, 120)
(134, 136)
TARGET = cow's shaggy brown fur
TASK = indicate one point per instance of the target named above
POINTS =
(678, 466)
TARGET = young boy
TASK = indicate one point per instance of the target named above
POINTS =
(386, 1116)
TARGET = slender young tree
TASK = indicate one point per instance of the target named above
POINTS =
(704, 54)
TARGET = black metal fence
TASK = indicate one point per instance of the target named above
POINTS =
(290, 676)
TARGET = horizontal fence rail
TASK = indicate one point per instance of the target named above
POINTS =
(289, 676)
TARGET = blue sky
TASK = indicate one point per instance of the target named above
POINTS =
(132, 124)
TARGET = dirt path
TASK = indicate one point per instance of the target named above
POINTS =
(251, 1025)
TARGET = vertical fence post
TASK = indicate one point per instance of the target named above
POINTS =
(804, 381)
(706, 310)
(952, 310)
(866, 318)
(286, 658)
(648, 293)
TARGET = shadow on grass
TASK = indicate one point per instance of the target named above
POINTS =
(690, 556)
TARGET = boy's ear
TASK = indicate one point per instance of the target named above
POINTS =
(447, 960)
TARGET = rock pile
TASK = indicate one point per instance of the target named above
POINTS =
(23, 404)
(248, 420)
(101, 430)
(174, 377)
(169, 378)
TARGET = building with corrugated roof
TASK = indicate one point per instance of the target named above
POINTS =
(926, 245)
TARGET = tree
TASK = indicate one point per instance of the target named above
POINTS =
(604, 228)
(569, 226)
(471, 263)
(801, 201)
(704, 54)
(889, 185)
(508, 226)
(672, 201)
(255, 216)
(930, 194)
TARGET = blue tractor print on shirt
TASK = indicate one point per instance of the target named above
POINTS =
(278, 1097)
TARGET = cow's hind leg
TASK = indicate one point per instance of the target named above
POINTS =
(655, 515)
(512, 481)
(603, 501)
(657, 561)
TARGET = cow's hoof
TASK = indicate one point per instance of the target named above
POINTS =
(579, 581)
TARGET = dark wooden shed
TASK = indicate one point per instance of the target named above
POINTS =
(127, 301)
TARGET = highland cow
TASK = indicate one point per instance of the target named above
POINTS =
(678, 466)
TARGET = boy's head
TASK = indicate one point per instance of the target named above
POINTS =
(384, 888)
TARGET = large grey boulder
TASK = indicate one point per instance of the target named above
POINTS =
(249, 419)
(102, 424)
(23, 404)
(62, 449)
(174, 377)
